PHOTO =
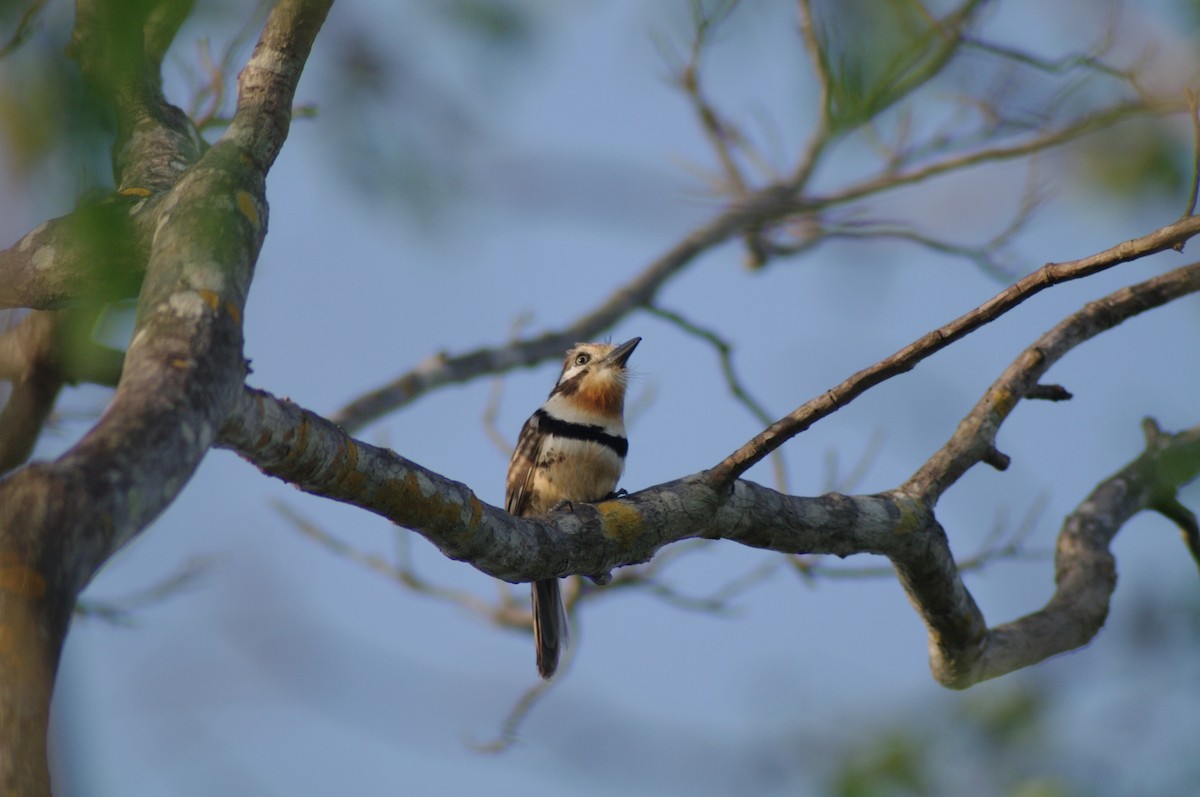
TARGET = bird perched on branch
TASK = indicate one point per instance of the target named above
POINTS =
(572, 449)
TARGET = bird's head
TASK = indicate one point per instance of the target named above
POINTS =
(594, 376)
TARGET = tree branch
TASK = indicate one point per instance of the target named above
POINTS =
(1085, 569)
(120, 46)
(311, 452)
(60, 521)
(267, 84)
(97, 253)
(976, 433)
(38, 355)
(27, 359)
(904, 360)
(963, 653)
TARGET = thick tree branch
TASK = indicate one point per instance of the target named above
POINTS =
(299, 446)
(60, 521)
(907, 358)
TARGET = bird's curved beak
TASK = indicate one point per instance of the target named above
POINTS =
(619, 355)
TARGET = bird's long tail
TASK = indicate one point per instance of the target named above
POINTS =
(549, 625)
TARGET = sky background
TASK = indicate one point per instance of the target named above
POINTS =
(461, 183)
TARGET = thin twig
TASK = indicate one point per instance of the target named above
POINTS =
(1058, 66)
(401, 572)
(649, 578)
(722, 135)
(718, 131)
(491, 408)
(820, 136)
(491, 412)
(507, 735)
(854, 477)
(1048, 140)
(725, 354)
(121, 611)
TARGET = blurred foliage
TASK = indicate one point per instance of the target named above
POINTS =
(53, 130)
(893, 763)
(994, 744)
(101, 225)
(876, 52)
(1144, 159)
(416, 110)
(1190, 15)
(17, 19)
(411, 113)
(1026, 736)
(496, 23)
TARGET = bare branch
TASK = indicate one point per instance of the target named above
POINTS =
(1164, 499)
(1044, 141)
(316, 455)
(849, 483)
(491, 410)
(904, 360)
(507, 735)
(313, 453)
(506, 613)
(722, 135)
(38, 355)
(976, 433)
(963, 652)
(122, 610)
(719, 132)
(1085, 570)
(1001, 544)
(820, 136)
(267, 84)
(759, 209)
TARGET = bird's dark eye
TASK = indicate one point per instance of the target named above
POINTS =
(583, 359)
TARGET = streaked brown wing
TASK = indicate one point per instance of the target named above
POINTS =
(518, 489)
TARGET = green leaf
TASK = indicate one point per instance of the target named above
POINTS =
(876, 52)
